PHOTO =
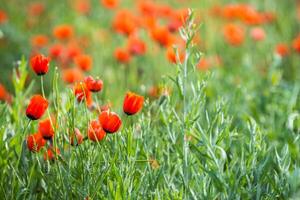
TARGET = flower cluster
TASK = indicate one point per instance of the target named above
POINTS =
(108, 121)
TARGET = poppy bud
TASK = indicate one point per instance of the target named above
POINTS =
(95, 131)
(40, 64)
(37, 107)
(51, 154)
(78, 136)
(110, 121)
(35, 142)
(93, 85)
(133, 103)
(46, 129)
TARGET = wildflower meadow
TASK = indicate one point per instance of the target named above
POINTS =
(150, 99)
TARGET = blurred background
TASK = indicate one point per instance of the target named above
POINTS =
(129, 43)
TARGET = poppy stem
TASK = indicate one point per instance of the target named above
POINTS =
(23, 140)
(48, 113)
(42, 86)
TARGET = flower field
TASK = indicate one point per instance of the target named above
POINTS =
(149, 99)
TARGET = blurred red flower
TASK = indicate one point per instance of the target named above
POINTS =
(36, 8)
(63, 32)
(3, 17)
(72, 75)
(82, 6)
(136, 46)
(39, 41)
(234, 34)
(296, 44)
(162, 35)
(122, 55)
(4, 94)
(282, 49)
(84, 62)
(257, 34)
(125, 23)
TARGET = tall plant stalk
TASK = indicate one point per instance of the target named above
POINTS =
(187, 33)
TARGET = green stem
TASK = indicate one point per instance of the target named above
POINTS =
(185, 141)
(42, 87)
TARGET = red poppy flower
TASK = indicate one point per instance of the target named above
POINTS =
(133, 103)
(40, 64)
(93, 85)
(35, 142)
(78, 139)
(95, 131)
(46, 129)
(51, 154)
(37, 107)
(63, 32)
(122, 55)
(110, 121)
(84, 62)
